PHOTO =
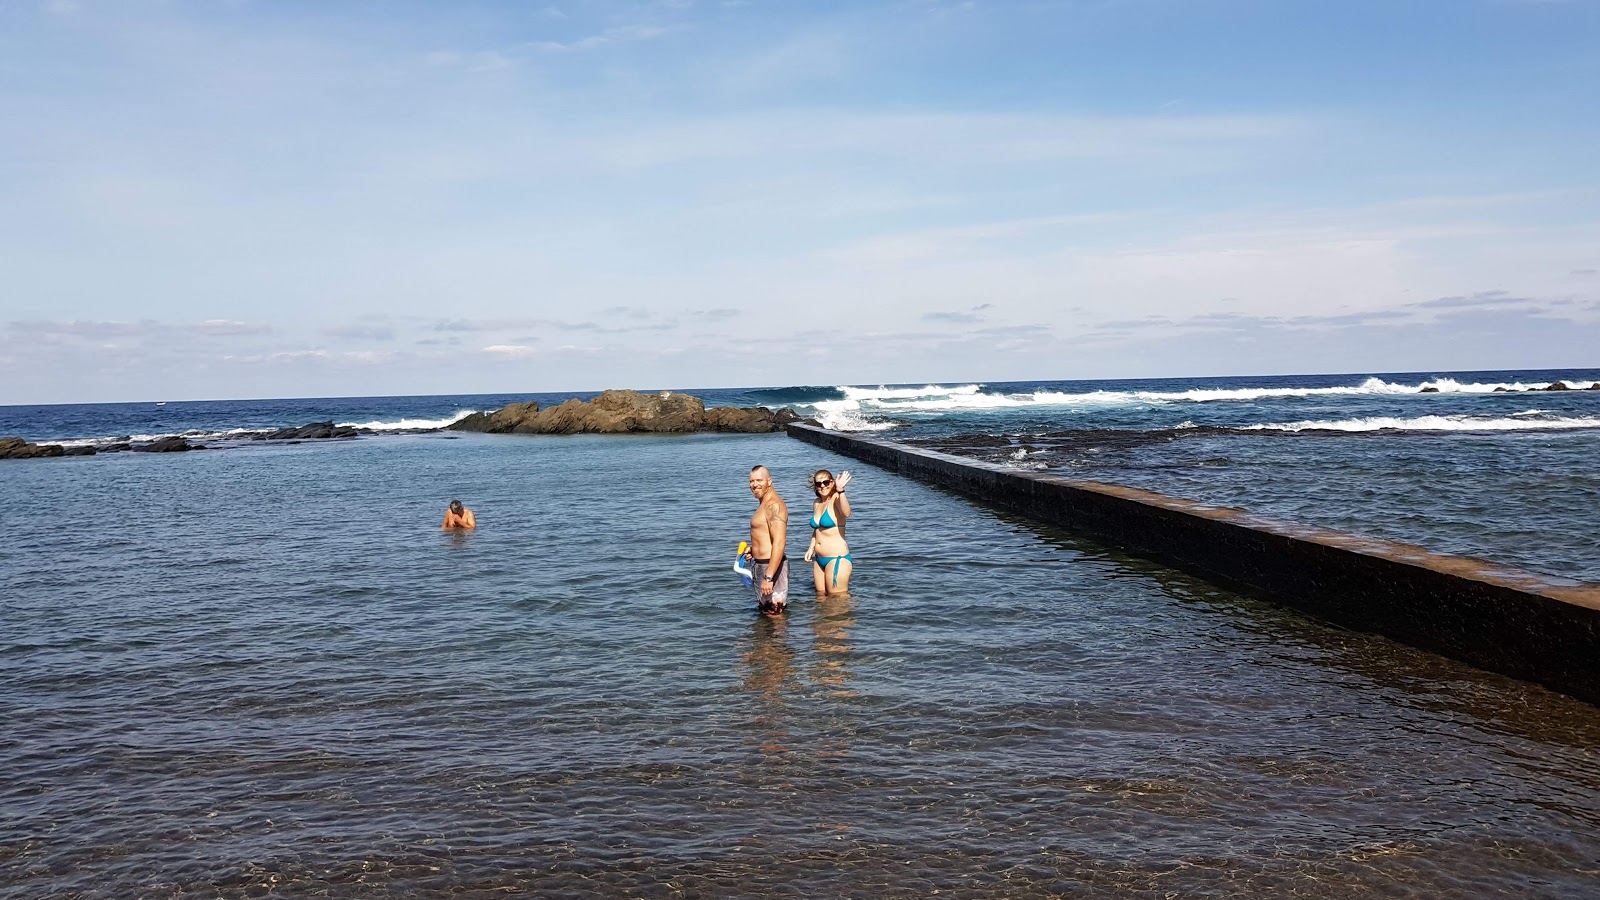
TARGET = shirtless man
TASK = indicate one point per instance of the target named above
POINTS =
(769, 533)
(458, 516)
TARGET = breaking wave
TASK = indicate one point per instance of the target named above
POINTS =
(858, 408)
(411, 424)
(849, 420)
(804, 394)
(1431, 423)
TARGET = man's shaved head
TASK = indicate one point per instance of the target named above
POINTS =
(760, 481)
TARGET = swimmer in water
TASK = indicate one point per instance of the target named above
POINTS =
(769, 532)
(828, 554)
(458, 516)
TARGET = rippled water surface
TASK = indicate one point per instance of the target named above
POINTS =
(1531, 500)
(264, 671)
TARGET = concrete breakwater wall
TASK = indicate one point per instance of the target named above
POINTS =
(1528, 626)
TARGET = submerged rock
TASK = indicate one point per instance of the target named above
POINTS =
(168, 445)
(17, 448)
(625, 412)
(312, 431)
(1430, 389)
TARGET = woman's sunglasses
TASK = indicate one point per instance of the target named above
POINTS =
(823, 483)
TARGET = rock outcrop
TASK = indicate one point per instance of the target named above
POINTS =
(625, 412)
(17, 448)
(748, 419)
(313, 431)
(168, 445)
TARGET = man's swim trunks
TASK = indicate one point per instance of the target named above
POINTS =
(780, 583)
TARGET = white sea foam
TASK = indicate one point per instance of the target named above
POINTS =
(409, 424)
(231, 433)
(883, 393)
(841, 419)
(191, 434)
(1430, 423)
(936, 398)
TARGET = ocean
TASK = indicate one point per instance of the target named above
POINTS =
(1484, 464)
(262, 669)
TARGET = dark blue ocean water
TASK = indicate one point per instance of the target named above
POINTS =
(264, 671)
(1508, 474)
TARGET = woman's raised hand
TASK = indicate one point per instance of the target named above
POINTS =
(841, 481)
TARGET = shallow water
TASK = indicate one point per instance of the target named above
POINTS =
(1489, 465)
(1532, 502)
(264, 671)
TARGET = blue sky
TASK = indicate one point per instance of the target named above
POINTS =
(250, 199)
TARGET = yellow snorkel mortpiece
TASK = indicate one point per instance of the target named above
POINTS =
(740, 568)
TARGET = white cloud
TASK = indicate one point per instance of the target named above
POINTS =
(510, 351)
(86, 329)
(231, 328)
(856, 172)
(622, 34)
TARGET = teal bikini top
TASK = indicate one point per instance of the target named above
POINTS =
(825, 522)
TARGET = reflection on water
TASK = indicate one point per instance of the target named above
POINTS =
(578, 699)
(768, 673)
(830, 629)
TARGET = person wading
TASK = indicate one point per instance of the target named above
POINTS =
(458, 516)
(828, 554)
(769, 532)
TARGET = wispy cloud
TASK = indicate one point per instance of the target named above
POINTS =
(965, 317)
(510, 351)
(550, 175)
(487, 324)
(622, 34)
(84, 329)
(361, 332)
(230, 328)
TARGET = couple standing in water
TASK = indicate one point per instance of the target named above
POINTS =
(828, 553)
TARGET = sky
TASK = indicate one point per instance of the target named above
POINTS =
(227, 198)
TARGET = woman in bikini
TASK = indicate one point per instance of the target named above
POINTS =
(829, 554)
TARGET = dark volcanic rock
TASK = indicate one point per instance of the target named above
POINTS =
(313, 431)
(625, 412)
(117, 447)
(78, 451)
(168, 445)
(619, 412)
(17, 448)
(748, 419)
(1593, 387)
(1502, 389)
(1429, 390)
(1558, 386)
(501, 421)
